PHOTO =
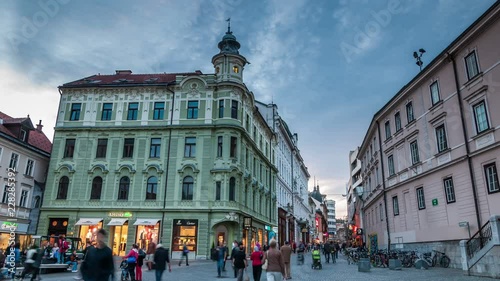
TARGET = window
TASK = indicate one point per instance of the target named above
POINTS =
(420, 198)
(192, 112)
(449, 190)
(159, 111)
(5, 197)
(75, 111)
(219, 146)
(409, 112)
(480, 117)
(133, 108)
(217, 190)
(22, 135)
(62, 190)
(435, 93)
(29, 168)
(415, 158)
(151, 188)
(190, 147)
(95, 192)
(23, 199)
(397, 121)
(221, 108)
(381, 212)
(123, 188)
(442, 144)
(387, 130)
(236, 69)
(395, 205)
(234, 109)
(234, 142)
(36, 202)
(69, 148)
(471, 65)
(155, 148)
(14, 157)
(187, 188)
(128, 148)
(107, 110)
(390, 163)
(232, 188)
(490, 171)
(102, 146)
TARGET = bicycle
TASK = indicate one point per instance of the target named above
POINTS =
(444, 260)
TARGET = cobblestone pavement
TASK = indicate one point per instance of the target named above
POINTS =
(207, 271)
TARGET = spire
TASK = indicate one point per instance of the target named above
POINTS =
(229, 26)
(229, 44)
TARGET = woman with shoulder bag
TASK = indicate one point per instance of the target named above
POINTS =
(256, 258)
(132, 258)
(275, 263)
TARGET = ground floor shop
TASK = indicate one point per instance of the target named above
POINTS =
(14, 231)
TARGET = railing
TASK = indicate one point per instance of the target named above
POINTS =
(479, 240)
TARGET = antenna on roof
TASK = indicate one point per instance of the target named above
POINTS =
(228, 25)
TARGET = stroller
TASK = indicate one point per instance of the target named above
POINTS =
(124, 268)
(300, 258)
(316, 257)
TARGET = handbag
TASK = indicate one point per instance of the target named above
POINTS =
(131, 259)
(264, 266)
(246, 277)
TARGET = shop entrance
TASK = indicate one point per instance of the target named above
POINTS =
(119, 234)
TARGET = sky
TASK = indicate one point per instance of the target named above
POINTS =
(329, 65)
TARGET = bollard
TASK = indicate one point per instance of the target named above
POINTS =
(395, 264)
(364, 265)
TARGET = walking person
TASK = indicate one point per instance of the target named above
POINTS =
(161, 259)
(150, 255)
(286, 252)
(226, 249)
(256, 258)
(98, 264)
(233, 252)
(275, 263)
(185, 252)
(221, 255)
(132, 258)
(140, 262)
(240, 262)
(327, 251)
(29, 265)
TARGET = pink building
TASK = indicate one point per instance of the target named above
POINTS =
(431, 155)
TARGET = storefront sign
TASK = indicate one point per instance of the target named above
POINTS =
(267, 227)
(247, 222)
(9, 225)
(359, 231)
(120, 214)
(186, 222)
(434, 202)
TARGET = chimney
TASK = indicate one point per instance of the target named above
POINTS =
(39, 126)
(118, 72)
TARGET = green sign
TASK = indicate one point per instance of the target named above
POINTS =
(120, 214)
(434, 202)
(8, 224)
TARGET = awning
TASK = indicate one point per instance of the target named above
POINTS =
(117, 221)
(91, 221)
(146, 221)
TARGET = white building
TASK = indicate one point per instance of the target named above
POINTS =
(332, 222)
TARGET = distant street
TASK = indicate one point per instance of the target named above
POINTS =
(206, 271)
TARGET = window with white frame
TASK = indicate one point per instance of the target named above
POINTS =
(420, 198)
(434, 87)
(449, 190)
(387, 130)
(14, 157)
(415, 158)
(442, 143)
(23, 199)
(471, 65)
(397, 121)
(390, 163)
(5, 196)
(29, 167)
(481, 117)
(491, 175)
(409, 112)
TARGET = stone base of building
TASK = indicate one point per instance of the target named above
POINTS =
(450, 248)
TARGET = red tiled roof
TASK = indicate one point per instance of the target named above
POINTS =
(36, 138)
(127, 79)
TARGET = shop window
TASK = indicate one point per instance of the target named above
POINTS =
(184, 232)
(151, 188)
(88, 233)
(187, 188)
(123, 188)
(119, 243)
(147, 234)
(62, 191)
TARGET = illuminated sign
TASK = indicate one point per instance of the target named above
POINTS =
(8, 225)
(247, 222)
(120, 214)
(317, 222)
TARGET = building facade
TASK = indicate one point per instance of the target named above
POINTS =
(179, 159)
(354, 190)
(430, 156)
(331, 221)
(24, 158)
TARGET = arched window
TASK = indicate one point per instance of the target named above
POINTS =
(187, 188)
(62, 191)
(151, 188)
(36, 202)
(95, 192)
(232, 189)
(123, 188)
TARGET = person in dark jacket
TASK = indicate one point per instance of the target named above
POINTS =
(98, 264)
(233, 252)
(161, 259)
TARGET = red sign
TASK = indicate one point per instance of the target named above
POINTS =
(317, 222)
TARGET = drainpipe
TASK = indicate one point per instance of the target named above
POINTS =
(168, 161)
(384, 188)
(467, 148)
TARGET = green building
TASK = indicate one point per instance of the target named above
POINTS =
(183, 158)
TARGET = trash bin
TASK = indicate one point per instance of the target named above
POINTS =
(395, 264)
(364, 265)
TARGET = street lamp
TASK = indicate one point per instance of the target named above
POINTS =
(418, 57)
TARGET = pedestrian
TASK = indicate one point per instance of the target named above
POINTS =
(185, 252)
(240, 262)
(98, 264)
(226, 249)
(275, 263)
(29, 264)
(294, 246)
(73, 262)
(286, 252)
(221, 255)
(63, 248)
(327, 251)
(150, 255)
(233, 252)
(132, 258)
(140, 263)
(337, 249)
(161, 259)
(256, 258)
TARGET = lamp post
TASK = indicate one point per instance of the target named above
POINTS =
(418, 57)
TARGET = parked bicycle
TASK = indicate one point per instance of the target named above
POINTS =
(440, 258)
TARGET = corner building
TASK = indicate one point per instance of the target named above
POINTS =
(171, 158)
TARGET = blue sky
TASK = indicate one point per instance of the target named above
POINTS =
(329, 65)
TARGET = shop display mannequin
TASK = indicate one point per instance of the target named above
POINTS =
(88, 236)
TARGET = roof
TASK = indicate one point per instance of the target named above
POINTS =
(36, 138)
(126, 78)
